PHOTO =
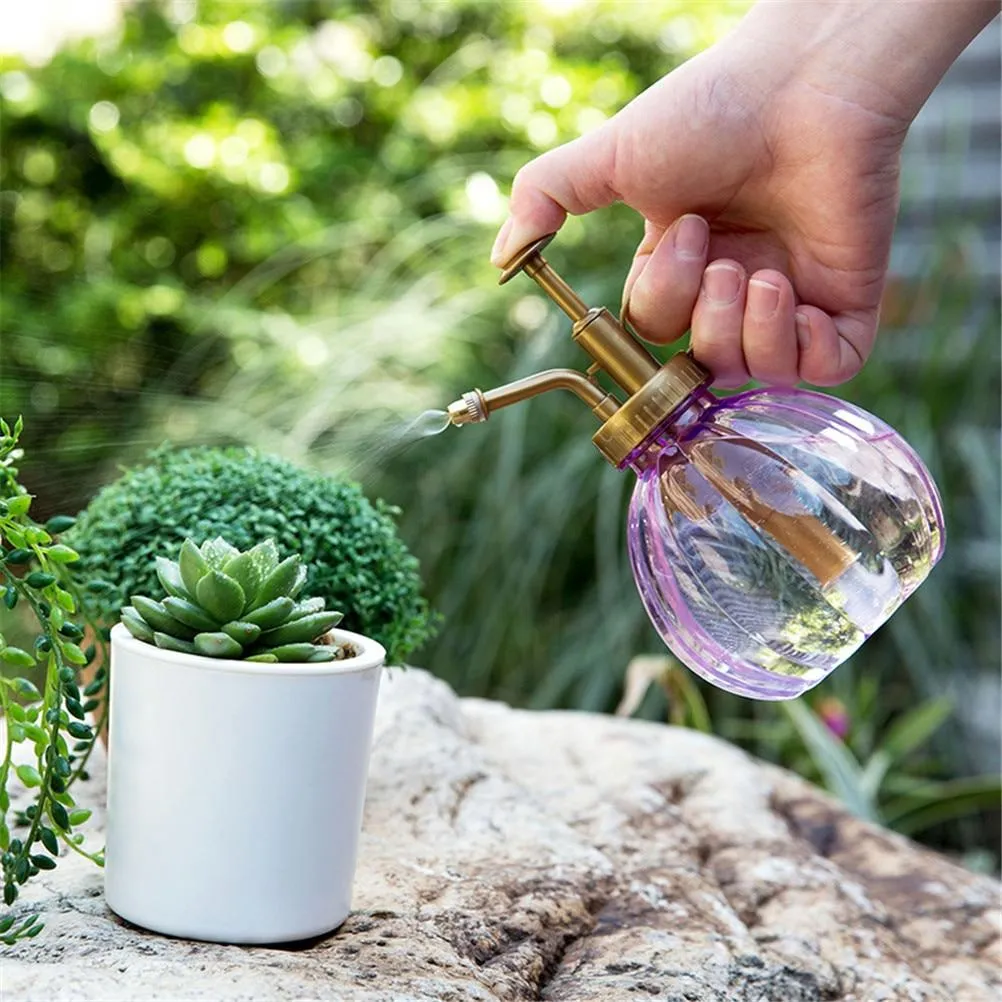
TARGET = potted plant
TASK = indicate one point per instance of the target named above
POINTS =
(356, 557)
(239, 711)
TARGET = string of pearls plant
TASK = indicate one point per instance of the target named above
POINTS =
(49, 717)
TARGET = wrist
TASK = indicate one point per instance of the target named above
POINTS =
(883, 55)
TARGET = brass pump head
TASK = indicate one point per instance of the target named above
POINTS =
(653, 391)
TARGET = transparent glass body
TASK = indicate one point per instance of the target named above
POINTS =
(772, 532)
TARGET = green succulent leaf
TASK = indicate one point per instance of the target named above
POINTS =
(322, 652)
(217, 551)
(265, 556)
(220, 596)
(190, 614)
(60, 523)
(262, 658)
(192, 566)
(19, 505)
(218, 645)
(66, 600)
(286, 579)
(16, 657)
(27, 688)
(300, 582)
(136, 625)
(168, 643)
(291, 653)
(33, 732)
(243, 633)
(59, 815)
(160, 619)
(306, 607)
(302, 630)
(62, 554)
(169, 574)
(273, 614)
(28, 775)
(244, 570)
(73, 654)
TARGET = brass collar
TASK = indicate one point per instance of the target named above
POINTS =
(645, 410)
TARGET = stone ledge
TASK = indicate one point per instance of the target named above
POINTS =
(510, 855)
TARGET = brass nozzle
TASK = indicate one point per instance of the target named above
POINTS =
(468, 409)
(653, 390)
(476, 406)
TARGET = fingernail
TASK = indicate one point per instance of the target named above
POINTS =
(691, 237)
(803, 330)
(624, 315)
(722, 283)
(498, 251)
(763, 298)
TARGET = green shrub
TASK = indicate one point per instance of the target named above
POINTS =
(357, 561)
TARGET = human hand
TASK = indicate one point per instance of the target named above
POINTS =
(766, 172)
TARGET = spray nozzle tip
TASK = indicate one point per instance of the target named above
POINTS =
(468, 409)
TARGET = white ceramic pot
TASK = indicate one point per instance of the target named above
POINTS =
(235, 790)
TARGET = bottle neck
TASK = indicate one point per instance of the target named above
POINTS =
(664, 438)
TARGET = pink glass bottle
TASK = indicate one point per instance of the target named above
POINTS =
(773, 531)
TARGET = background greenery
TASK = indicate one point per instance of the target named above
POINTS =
(268, 223)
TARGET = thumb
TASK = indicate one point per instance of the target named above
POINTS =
(575, 178)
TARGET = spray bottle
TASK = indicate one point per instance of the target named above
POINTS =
(770, 532)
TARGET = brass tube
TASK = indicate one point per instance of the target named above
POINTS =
(619, 354)
(555, 287)
(804, 536)
(478, 406)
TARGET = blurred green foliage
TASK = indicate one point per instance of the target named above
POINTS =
(268, 223)
(146, 175)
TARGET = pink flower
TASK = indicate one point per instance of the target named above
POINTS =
(834, 716)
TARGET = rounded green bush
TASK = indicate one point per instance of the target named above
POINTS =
(356, 560)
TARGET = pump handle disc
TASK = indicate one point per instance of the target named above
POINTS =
(518, 262)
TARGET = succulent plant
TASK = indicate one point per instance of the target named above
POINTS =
(224, 603)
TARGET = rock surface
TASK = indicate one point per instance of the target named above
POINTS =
(510, 855)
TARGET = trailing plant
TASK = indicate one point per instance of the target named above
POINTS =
(355, 557)
(222, 603)
(51, 720)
